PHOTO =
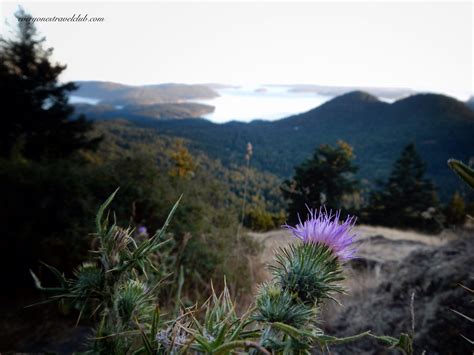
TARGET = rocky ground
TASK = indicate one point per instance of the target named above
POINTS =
(394, 266)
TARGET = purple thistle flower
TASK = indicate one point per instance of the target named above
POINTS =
(325, 228)
(142, 230)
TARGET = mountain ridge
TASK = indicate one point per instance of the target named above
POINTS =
(182, 110)
(439, 125)
(121, 94)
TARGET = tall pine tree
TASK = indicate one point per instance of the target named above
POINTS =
(407, 199)
(37, 119)
(324, 179)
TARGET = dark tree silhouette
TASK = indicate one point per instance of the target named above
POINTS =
(407, 199)
(324, 179)
(38, 122)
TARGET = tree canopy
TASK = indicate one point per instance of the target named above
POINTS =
(38, 122)
(324, 179)
(407, 199)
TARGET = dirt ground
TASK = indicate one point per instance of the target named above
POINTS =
(401, 280)
(376, 243)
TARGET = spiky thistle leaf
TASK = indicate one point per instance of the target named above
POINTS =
(131, 297)
(100, 222)
(89, 280)
(463, 171)
(277, 305)
(310, 271)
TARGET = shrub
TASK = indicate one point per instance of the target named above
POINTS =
(257, 219)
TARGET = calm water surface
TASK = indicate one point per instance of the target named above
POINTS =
(261, 102)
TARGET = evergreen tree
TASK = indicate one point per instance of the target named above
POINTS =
(324, 179)
(407, 199)
(37, 119)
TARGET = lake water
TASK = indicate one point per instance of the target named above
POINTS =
(73, 99)
(261, 102)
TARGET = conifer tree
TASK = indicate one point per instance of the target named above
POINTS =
(324, 179)
(407, 199)
(38, 122)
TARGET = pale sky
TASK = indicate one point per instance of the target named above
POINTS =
(424, 45)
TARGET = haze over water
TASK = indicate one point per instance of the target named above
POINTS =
(260, 102)
(268, 102)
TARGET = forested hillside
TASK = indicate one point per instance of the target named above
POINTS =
(441, 127)
(123, 138)
(156, 111)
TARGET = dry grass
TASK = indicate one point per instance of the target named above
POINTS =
(403, 242)
(377, 245)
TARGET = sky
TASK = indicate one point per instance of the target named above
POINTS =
(420, 45)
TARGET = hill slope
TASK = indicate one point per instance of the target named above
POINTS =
(470, 103)
(120, 94)
(441, 127)
(157, 111)
(392, 93)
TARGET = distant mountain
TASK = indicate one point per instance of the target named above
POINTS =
(441, 127)
(156, 111)
(120, 94)
(470, 103)
(218, 86)
(389, 93)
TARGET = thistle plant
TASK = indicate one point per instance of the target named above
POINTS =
(213, 328)
(115, 285)
(312, 270)
(275, 304)
(120, 288)
(305, 274)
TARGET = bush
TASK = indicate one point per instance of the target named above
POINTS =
(47, 209)
(260, 220)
